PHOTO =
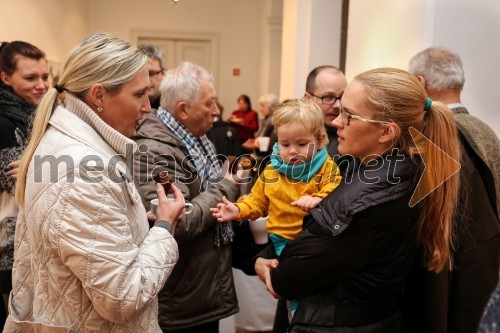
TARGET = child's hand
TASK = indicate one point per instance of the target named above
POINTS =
(306, 203)
(225, 211)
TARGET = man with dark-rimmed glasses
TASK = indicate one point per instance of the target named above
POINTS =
(325, 86)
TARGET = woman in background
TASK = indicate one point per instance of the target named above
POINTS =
(245, 120)
(24, 81)
(267, 104)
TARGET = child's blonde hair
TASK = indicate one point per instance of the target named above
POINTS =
(305, 112)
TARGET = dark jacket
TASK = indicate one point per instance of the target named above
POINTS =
(225, 139)
(491, 317)
(15, 116)
(453, 301)
(349, 265)
(333, 144)
(200, 289)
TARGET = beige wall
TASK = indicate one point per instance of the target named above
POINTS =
(389, 32)
(238, 23)
(472, 29)
(381, 33)
(311, 38)
(55, 26)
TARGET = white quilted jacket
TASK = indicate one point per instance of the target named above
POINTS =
(85, 258)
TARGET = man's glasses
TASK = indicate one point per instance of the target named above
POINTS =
(328, 99)
(154, 73)
(346, 118)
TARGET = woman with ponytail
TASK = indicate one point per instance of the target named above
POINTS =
(85, 258)
(357, 246)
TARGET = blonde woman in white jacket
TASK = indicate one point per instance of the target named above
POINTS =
(85, 257)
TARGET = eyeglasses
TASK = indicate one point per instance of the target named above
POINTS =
(346, 118)
(154, 73)
(328, 99)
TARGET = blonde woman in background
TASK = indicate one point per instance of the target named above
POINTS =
(85, 257)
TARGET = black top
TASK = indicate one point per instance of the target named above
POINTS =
(15, 118)
(349, 265)
(225, 139)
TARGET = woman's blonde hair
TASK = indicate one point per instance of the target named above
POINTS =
(304, 112)
(397, 96)
(99, 59)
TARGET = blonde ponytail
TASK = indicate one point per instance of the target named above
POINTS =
(42, 115)
(437, 212)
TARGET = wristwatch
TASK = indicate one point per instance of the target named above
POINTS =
(163, 224)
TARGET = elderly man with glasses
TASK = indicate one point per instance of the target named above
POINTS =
(200, 291)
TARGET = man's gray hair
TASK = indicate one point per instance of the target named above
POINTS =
(441, 68)
(182, 84)
(152, 52)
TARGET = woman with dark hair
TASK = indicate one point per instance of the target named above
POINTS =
(348, 266)
(245, 120)
(24, 81)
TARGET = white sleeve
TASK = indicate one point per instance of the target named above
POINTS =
(103, 238)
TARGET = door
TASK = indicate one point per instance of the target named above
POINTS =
(201, 49)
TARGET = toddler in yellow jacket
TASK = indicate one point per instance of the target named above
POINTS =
(300, 174)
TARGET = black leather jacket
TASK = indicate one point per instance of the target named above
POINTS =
(348, 267)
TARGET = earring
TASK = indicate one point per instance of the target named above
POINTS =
(99, 109)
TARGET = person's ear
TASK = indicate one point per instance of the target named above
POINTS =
(421, 79)
(322, 141)
(5, 78)
(390, 133)
(95, 96)
(181, 110)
